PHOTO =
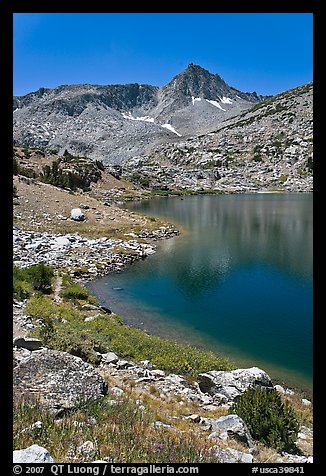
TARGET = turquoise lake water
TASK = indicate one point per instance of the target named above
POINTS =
(238, 280)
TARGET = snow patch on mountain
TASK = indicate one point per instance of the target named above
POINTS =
(193, 99)
(168, 126)
(225, 100)
(139, 118)
(215, 103)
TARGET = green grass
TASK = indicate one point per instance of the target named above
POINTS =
(107, 334)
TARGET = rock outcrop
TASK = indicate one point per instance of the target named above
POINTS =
(58, 381)
(231, 385)
(95, 256)
(28, 343)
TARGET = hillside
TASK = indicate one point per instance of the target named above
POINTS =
(268, 147)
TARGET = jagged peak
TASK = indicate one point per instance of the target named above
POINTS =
(196, 70)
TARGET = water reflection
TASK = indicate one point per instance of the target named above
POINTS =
(233, 230)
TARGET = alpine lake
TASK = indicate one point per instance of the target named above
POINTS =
(237, 280)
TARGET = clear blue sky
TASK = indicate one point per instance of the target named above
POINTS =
(263, 52)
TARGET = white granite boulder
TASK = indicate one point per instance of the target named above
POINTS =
(32, 454)
(77, 215)
(233, 383)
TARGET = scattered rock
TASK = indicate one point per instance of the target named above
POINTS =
(289, 391)
(306, 402)
(194, 418)
(90, 307)
(116, 391)
(230, 455)
(36, 425)
(88, 319)
(157, 373)
(298, 459)
(87, 449)
(20, 354)
(279, 388)
(106, 310)
(160, 424)
(32, 454)
(147, 364)
(62, 241)
(123, 364)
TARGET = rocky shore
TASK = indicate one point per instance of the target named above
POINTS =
(83, 257)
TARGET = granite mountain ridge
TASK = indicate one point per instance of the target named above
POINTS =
(116, 122)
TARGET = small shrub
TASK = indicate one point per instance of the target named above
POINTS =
(21, 289)
(74, 291)
(40, 276)
(34, 278)
(41, 307)
(93, 300)
(269, 420)
(47, 331)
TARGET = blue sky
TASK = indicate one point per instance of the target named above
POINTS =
(263, 52)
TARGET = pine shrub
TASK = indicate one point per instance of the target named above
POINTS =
(74, 291)
(34, 278)
(40, 276)
(269, 420)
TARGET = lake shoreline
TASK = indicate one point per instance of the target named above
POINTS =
(279, 379)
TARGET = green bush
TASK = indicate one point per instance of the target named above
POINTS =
(41, 307)
(74, 291)
(40, 276)
(269, 420)
(21, 289)
(34, 278)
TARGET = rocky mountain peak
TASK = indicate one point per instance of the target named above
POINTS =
(198, 82)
